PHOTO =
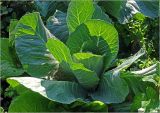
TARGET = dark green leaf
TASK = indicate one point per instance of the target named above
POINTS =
(111, 89)
(31, 37)
(47, 8)
(58, 26)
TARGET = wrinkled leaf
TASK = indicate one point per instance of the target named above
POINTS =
(30, 43)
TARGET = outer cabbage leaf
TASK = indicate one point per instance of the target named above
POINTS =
(7, 67)
(58, 26)
(111, 89)
(90, 61)
(123, 10)
(59, 91)
(30, 43)
(95, 36)
(78, 12)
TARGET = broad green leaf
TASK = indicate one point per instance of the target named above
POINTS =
(59, 91)
(95, 36)
(12, 27)
(123, 10)
(57, 25)
(100, 14)
(29, 102)
(78, 12)
(90, 61)
(7, 67)
(59, 50)
(30, 43)
(111, 89)
(87, 78)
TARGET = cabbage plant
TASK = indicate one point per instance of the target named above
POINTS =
(71, 57)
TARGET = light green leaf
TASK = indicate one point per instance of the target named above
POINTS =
(111, 89)
(7, 67)
(123, 10)
(78, 12)
(87, 78)
(59, 50)
(100, 14)
(59, 91)
(90, 61)
(30, 43)
(58, 26)
(12, 27)
(29, 102)
(95, 36)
